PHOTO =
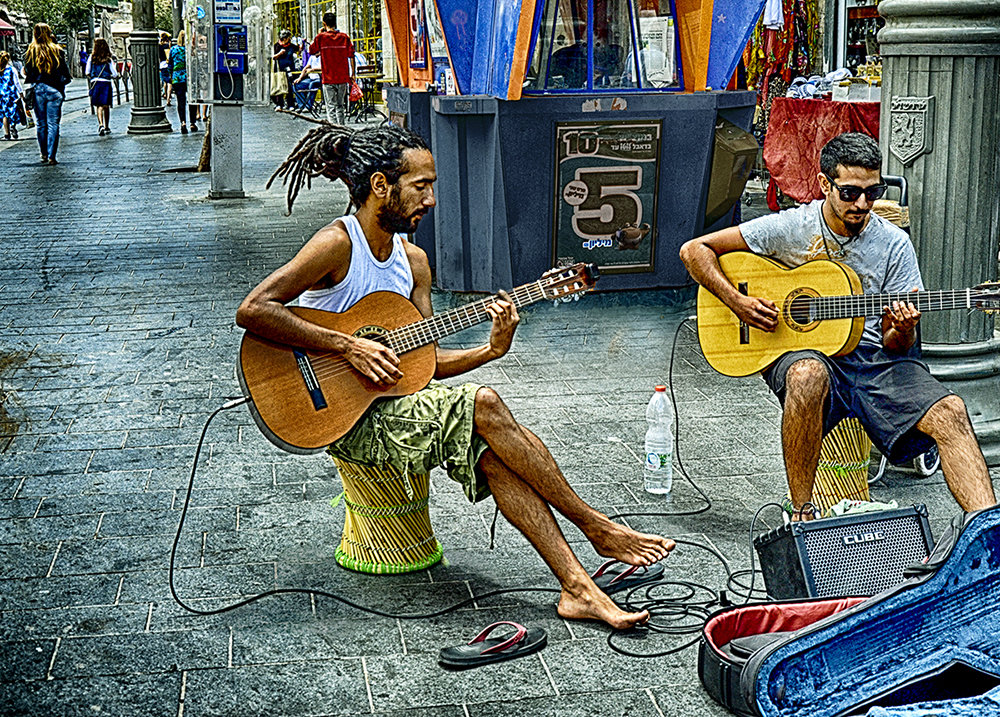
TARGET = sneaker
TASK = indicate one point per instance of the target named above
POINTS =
(184, 129)
(107, 130)
(194, 128)
(101, 133)
(13, 133)
(52, 161)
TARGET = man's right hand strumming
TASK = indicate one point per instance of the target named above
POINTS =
(373, 360)
(757, 312)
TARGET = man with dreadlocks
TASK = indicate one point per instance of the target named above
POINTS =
(390, 175)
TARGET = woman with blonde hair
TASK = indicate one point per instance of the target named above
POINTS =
(178, 77)
(101, 70)
(45, 68)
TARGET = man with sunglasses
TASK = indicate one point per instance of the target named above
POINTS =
(882, 382)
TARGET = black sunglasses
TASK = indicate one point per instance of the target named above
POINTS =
(849, 193)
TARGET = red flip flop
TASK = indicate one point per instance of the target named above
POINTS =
(615, 576)
(482, 649)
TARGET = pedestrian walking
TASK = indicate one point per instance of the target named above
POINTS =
(178, 78)
(101, 70)
(164, 53)
(9, 97)
(15, 60)
(46, 69)
(83, 60)
(336, 53)
(284, 63)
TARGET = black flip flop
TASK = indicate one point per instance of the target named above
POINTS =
(482, 649)
(615, 576)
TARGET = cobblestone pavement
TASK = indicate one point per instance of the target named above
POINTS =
(119, 282)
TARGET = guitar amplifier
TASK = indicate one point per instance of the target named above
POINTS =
(860, 554)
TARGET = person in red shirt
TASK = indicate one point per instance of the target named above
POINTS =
(336, 54)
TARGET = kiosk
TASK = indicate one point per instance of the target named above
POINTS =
(574, 130)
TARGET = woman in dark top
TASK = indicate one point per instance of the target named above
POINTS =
(45, 67)
(284, 62)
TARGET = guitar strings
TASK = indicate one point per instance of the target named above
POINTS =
(854, 305)
(420, 333)
(332, 364)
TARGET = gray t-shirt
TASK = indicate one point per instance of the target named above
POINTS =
(882, 254)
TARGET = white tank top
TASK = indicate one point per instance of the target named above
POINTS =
(365, 274)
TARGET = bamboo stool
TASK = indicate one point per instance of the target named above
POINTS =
(842, 472)
(387, 528)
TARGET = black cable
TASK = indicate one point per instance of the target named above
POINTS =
(680, 613)
(298, 591)
(677, 446)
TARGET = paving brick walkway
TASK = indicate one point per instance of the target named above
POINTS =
(118, 286)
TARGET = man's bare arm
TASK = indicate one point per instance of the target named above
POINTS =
(701, 257)
(263, 311)
(454, 362)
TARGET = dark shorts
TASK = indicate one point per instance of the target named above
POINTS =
(887, 393)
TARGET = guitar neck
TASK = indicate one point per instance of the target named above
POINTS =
(431, 329)
(842, 307)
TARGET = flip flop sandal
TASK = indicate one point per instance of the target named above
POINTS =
(482, 649)
(615, 576)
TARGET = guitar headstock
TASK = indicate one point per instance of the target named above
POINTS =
(569, 282)
(986, 297)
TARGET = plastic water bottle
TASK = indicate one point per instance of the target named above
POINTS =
(659, 443)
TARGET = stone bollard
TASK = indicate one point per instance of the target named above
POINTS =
(940, 129)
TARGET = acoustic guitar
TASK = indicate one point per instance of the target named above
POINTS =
(304, 400)
(820, 306)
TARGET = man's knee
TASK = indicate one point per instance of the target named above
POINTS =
(807, 379)
(490, 408)
(947, 416)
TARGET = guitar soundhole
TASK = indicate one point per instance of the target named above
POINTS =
(798, 310)
(373, 333)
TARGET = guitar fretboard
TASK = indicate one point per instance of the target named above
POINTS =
(842, 307)
(429, 330)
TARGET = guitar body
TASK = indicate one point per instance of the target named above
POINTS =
(303, 401)
(735, 349)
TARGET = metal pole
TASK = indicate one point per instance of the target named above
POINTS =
(148, 115)
(941, 126)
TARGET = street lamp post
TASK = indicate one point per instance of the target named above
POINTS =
(148, 115)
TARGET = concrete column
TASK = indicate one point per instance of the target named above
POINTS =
(227, 152)
(940, 129)
(148, 115)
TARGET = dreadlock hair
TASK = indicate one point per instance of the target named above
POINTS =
(351, 156)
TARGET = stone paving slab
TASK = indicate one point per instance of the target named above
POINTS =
(119, 283)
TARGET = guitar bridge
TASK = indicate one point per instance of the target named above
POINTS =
(312, 383)
(744, 326)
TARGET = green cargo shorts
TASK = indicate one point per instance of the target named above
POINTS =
(432, 427)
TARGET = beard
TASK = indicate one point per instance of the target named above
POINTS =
(392, 216)
(854, 222)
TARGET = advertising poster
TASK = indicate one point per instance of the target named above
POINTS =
(418, 34)
(605, 194)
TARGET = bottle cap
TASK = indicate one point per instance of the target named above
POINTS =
(659, 388)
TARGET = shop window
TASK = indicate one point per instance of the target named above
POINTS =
(590, 45)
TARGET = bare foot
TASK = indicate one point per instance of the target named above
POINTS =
(613, 540)
(593, 604)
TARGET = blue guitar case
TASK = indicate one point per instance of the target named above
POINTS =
(935, 636)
